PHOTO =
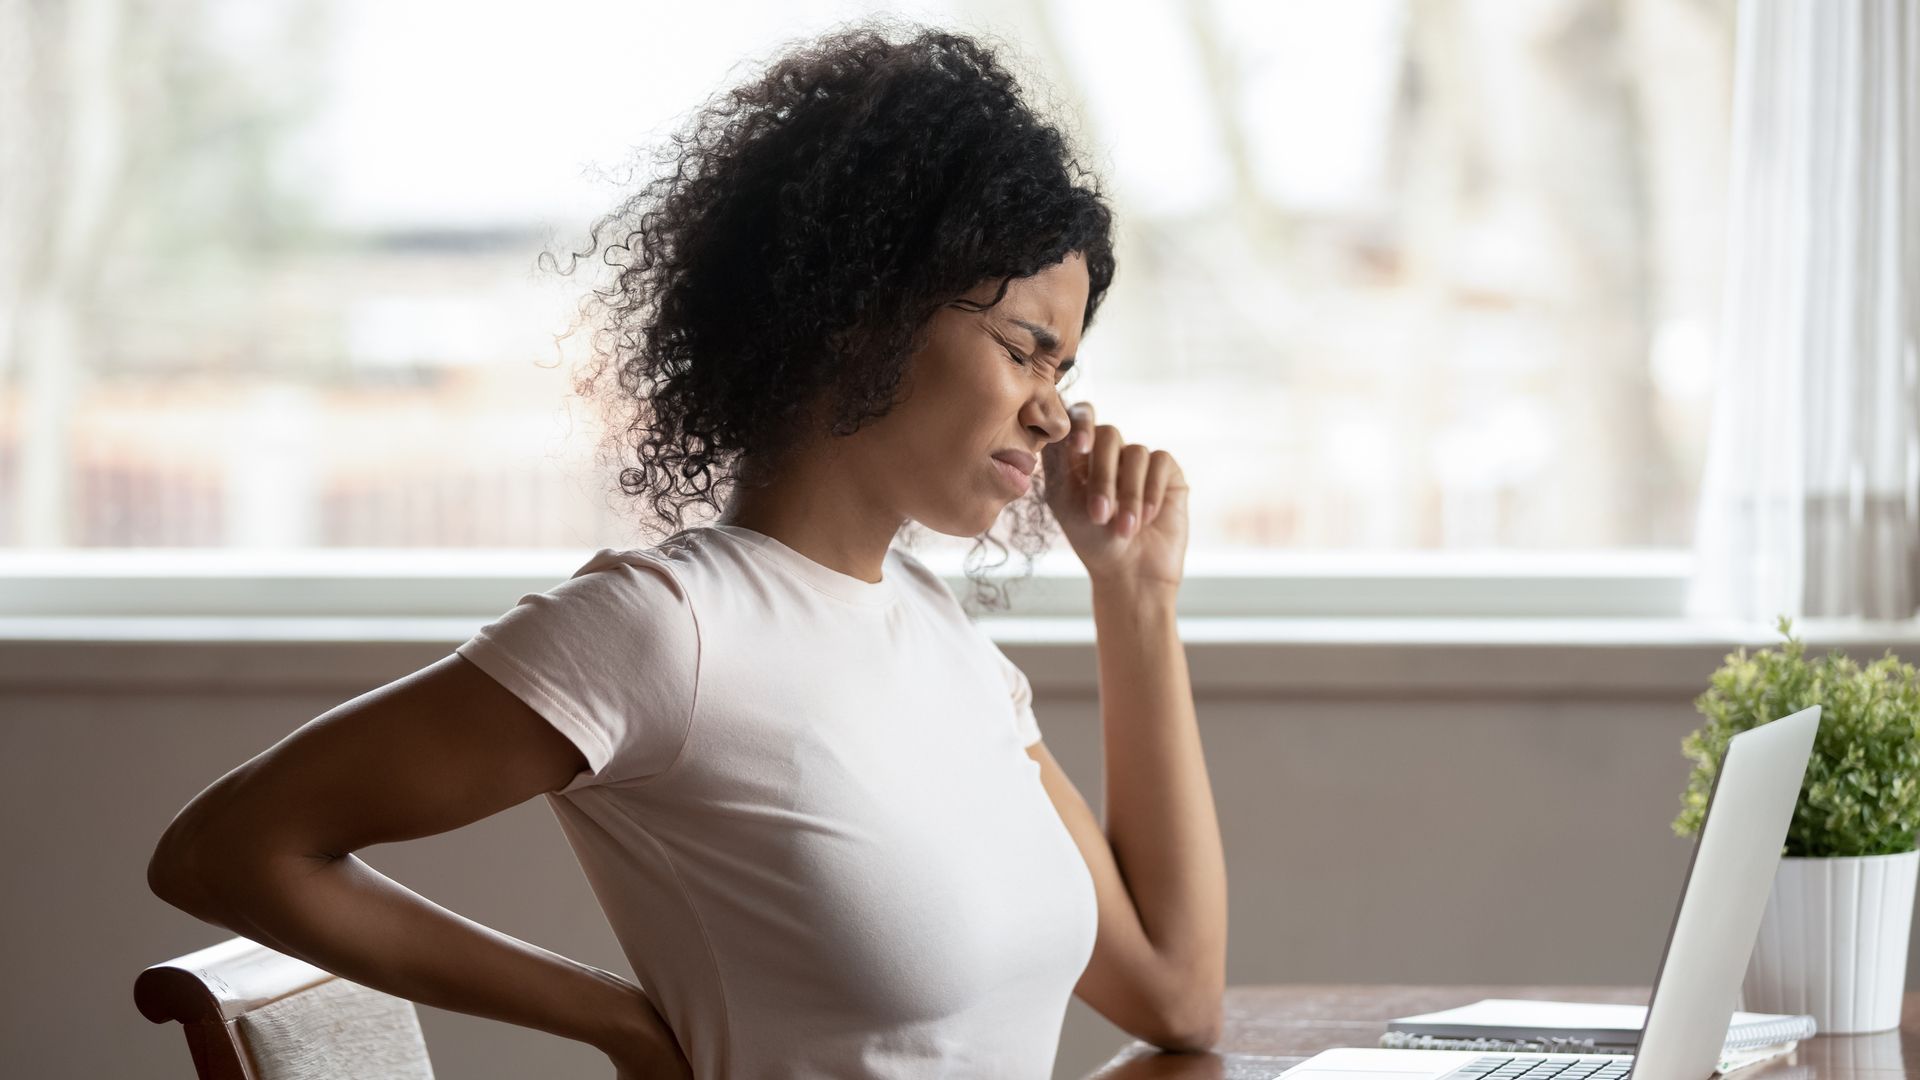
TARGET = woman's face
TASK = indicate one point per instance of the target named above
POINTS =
(985, 384)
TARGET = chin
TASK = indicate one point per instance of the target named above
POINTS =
(967, 525)
(959, 531)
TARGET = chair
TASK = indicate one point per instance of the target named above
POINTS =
(251, 1013)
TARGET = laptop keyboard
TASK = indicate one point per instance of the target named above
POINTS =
(1504, 1067)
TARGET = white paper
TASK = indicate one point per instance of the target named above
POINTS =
(1552, 1016)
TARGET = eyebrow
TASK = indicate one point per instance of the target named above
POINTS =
(1047, 339)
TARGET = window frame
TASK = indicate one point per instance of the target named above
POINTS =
(401, 583)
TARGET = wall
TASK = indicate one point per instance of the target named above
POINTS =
(1414, 812)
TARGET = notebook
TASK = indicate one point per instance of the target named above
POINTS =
(1568, 1027)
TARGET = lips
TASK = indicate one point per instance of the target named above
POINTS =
(1022, 461)
(1016, 468)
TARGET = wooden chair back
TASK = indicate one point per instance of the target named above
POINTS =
(253, 1013)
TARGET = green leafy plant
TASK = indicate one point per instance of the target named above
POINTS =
(1861, 795)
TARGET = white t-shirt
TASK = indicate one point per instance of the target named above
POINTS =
(808, 812)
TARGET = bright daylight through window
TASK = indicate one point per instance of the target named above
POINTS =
(1393, 276)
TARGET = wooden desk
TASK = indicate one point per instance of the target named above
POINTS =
(1271, 1028)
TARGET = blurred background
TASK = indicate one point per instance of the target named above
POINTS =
(1394, 275)
(1404, 284)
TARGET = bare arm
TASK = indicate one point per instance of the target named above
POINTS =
(1159, 812)
(267, 852)
(1160, 873)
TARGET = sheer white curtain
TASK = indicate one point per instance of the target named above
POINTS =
(1811, 500)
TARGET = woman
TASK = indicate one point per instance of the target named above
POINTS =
(809, 793)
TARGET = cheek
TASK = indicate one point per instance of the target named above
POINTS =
(979, 394)
(922, 435)
(962, 405)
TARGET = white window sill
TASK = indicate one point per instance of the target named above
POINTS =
(1452, 658)
(1035, 631)
(385, 584)
(1446, 625)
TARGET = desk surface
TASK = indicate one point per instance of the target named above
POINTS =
(1270, 1028)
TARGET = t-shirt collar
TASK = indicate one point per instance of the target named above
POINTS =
(820, 576)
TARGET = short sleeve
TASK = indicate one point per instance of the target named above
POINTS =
(1019, 691)
(609, 657)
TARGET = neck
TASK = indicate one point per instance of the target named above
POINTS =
(821, 512)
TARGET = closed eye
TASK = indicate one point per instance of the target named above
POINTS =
(1025, 362)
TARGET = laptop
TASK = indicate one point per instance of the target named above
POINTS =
(1712, 936)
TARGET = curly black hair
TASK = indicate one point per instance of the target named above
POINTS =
(776, 278)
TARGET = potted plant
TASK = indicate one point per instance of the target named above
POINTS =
(1833, 942)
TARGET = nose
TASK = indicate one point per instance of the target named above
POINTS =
(1047, 416)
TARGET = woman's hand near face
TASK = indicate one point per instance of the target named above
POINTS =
(1122, 506)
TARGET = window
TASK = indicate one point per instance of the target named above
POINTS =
(1397, 278)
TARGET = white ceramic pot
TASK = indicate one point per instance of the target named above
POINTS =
(1833, 943)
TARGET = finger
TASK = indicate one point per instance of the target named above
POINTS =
(1066, 468)
(1154, 492)
(1065, 459)
(1102, 467)
(1080, 436)
(1128, 487)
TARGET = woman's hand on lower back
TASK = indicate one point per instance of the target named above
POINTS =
(647, 1049)
(666, 1063)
